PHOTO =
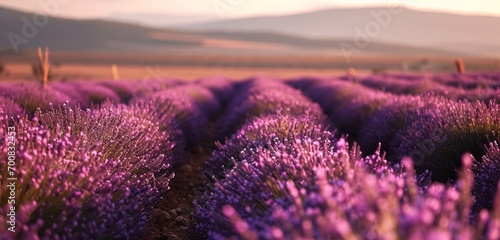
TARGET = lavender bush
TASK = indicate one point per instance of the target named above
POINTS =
(442, 134)
(264, 132)
(125, 90)
(332, 95)
(118, 132)
(32, 96)
(304, 83)
(87, 94)
(69, 189)
(487, 177)
(221, 87)
(283, 100)
(167, 126)
(484, 95)
(469, 80)
(96, 94)
(388, 118)
(206, 101)
(349, 118)
(246, 186)
(9, 108)
(183, 110)
(323, 191)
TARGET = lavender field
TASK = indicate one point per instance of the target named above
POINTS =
(385, 156)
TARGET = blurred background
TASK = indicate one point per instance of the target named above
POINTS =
(191, 39)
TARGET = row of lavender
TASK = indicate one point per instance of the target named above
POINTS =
(278, 140)
(207, 92)
(470, 86)
(87, 173)
(433, 130)
(427, 127)
(284, 174)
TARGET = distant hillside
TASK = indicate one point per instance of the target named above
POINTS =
(90, 35)
(472, 34)
(158, 20)
(113, 37)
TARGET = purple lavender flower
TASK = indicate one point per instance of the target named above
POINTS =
(9, 108)
(349, 117)
(443, 133)
(98, 94)
(304, 83)
(487, 177)
(484, 95)
(81, 184)
(323, 191)
(33, 96)
(264, 132)
(125, 90)
(246, 186)
(206, 101)
(221, 87)
(274, 100)
(387, 119)
(331, 95)
(182, 108)
(116, 131)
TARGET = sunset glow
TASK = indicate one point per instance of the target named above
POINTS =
(244, 8)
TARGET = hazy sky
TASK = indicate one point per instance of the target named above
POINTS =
(238, 8)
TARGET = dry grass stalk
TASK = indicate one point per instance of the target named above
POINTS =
(114, 72)
(459, 64)
(43, 59)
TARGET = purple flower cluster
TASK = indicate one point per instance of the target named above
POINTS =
(177, 105)
(97, 165)
(206, 101)
(33, 96)
(133, 133)
(255, 192)
(125, 90)
(9, 108)
(347, 104)
(259, 98)
(442, 133)
(351, 116)
(88, 174)
(435, 131)
(221, 87)
(390, 117)
(263, 132)
(305, 83)
(487, 177)
(87, 94)
(484, 95)
(332, 95)
(319, 189)
(469, 80)
(469, 86)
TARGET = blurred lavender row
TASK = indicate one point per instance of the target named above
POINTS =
(84, 174)
(317, 187)
(95, 159)
(372, 157)
(432, 128)
(260, 97)
(268, 184)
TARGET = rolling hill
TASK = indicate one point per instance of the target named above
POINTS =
(476, 35)
(113, 37)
